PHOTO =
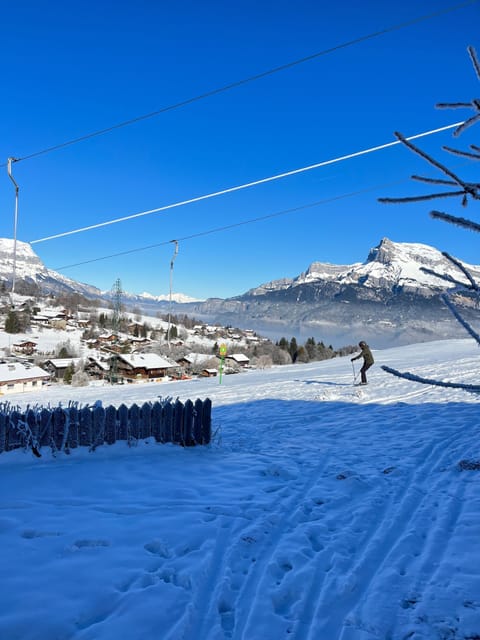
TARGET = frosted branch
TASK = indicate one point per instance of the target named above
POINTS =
(435, 383)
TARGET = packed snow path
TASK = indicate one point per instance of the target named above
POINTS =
(321, 511)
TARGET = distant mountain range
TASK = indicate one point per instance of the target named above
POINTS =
(386, 300)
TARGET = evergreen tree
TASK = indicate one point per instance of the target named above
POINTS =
(311, 348)
(293, 347)
(69, 371)
(12, 322)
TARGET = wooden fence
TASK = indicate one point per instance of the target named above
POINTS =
(64, 428)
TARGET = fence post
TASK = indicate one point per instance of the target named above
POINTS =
(197, 422)
(122, 422)
(46, 418)
(98, 426)
(58, 427)
(188, 424)
(167, 422)
(146, 420)
(134, 420)
(207, 421)
(85, 429)
(157, 430)
(178, 423)
(74, 427)
(110, 424)
(3, 431)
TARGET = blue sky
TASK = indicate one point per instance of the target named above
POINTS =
(70, 69)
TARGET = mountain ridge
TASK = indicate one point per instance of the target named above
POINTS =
(387, 299)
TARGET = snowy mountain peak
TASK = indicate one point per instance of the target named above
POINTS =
(176, 297)
(390, 265)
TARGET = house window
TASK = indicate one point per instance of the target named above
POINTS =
(11, 385)
(34, 383)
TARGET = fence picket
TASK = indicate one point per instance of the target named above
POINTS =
(178, 423)
(188, 424)
(122, 422)
(197, 422)
(3, 431)
(157, 430)
(167, 423)
(85, 436)
(146, 420)
(110, 424)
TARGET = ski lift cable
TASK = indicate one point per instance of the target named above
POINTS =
(235, 225)
(258, 76)
(15, 225)
(247, 185)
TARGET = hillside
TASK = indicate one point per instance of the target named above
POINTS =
(319, 511)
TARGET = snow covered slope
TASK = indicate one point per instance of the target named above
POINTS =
(321, 511)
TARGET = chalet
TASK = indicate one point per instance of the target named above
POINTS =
(143, 366)
(107, 338)
(135, 328)
(26, 346)
(193, 361)
(57, 366)
(238, 358)
(97, 368)
(209, 373)
(18, 377)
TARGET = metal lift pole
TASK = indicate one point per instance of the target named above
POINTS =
(9, 169)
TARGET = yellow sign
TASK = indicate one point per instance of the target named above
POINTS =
(223, 350)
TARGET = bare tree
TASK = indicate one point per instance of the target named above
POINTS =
(467, 191)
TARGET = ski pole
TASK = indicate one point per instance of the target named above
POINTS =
(355, 375)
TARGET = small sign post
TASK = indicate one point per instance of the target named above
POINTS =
(223, 353)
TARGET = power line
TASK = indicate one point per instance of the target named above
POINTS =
(246, 185)
(234, 225)
(238, 83)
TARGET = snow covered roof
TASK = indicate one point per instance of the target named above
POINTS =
(196, 358)
(102, 364)
(61, 363)
(19, 371)
(146, 360)
(239, 357)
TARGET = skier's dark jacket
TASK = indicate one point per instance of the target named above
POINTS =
(365, 353)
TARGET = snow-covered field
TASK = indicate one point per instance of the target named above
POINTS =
(321, 511)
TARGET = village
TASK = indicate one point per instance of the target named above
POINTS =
(81, 348)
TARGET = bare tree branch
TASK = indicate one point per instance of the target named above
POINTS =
(468, 123)
(435, 383)
(449, 278)
(473, 57)
(460, 222)
(464, 154)
(462, 268)
(461, 320)
(450, 183)
(420, 198)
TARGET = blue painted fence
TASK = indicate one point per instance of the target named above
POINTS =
(64, 428)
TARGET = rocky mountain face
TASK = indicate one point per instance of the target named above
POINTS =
(387, 300)
(32, 275)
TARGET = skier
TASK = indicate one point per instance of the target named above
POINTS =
(368, 360)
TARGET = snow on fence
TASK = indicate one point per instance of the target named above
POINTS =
(65, 428)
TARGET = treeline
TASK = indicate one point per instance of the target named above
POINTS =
(312, 350)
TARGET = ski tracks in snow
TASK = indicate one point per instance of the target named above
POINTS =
(315, 565)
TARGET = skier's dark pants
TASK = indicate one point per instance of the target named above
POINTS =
(363, 372)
